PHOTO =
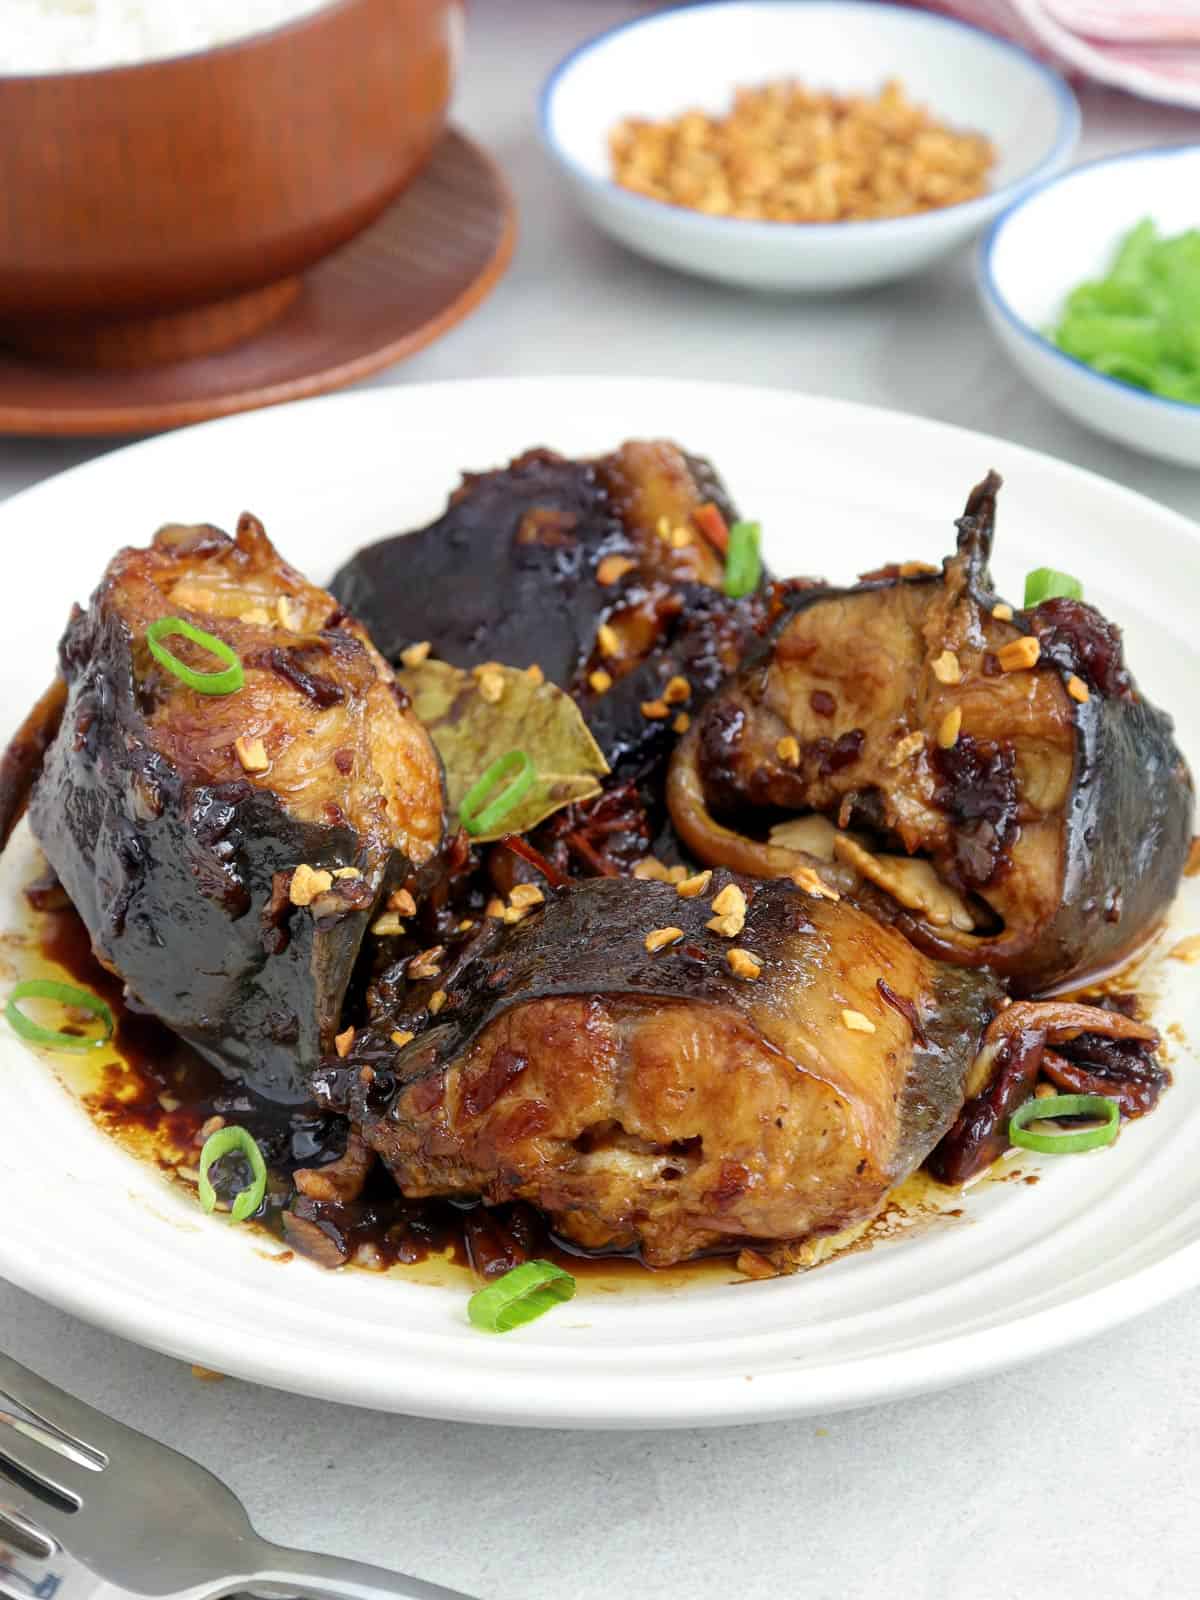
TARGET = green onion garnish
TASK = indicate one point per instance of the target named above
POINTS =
(516, 766)
(66, 994)
(1065, 1105)
(520, 1296)
(1046, 584)
(227, 681)
(223, 1143)
(743, 563)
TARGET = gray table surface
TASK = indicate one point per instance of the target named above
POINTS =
(1074, 1476)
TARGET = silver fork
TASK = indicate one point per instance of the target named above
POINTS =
(139, 1517)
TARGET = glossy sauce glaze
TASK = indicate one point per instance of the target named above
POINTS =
(154, 1095)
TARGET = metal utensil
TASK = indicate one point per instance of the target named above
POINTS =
(28, 1573)
(133, 1515)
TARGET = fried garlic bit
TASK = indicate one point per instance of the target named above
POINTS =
(744, 965)
(1078, 690)
(612, 569)
(729, 908)
(307, 883)
(427, 964)
(949, 728)
(415, 654)
(489, 680)
(252, 753)
(785, 153)
(808, 880)
(651, 867)
(608, 640)
(1018, 655)
(856, 1022)
(946, 667)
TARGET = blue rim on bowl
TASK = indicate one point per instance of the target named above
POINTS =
(1070, 121)
(989, 290)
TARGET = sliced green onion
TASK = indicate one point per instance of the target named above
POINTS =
(1046, 584)
(520, 1296)
(227, 681)
(1140, 323)
(1065, 1105)
(66, 994)
(516, 766)
(743, 563)
(223, 1143)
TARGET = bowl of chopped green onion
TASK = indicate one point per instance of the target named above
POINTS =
(1092, 284)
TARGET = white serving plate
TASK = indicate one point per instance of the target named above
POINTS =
(696, 55)
(839, 488)
(1055, 238)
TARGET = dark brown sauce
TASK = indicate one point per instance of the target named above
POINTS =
(154, 1065)
(155, 1093)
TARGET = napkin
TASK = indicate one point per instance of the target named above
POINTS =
(1150, 47)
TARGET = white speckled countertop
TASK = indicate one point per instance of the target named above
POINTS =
(1073, 1478)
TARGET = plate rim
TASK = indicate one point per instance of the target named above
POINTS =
(668, 387)
(707, 1400)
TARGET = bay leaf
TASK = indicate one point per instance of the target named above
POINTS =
(471, 732)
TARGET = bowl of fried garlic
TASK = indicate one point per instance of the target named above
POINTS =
(802, 145)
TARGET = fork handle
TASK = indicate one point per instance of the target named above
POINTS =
(316, 1577)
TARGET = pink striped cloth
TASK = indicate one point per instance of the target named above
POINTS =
(1150, 47)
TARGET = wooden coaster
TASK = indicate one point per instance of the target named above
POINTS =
(422, 267)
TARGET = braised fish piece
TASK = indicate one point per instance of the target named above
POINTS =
(227, 850)
(512, 570)
(652, 1081)
(597, 572)
(990, 779)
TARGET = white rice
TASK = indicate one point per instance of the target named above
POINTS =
(76, 35)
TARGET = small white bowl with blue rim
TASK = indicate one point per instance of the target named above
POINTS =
(1063, 233)
(661, 65)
